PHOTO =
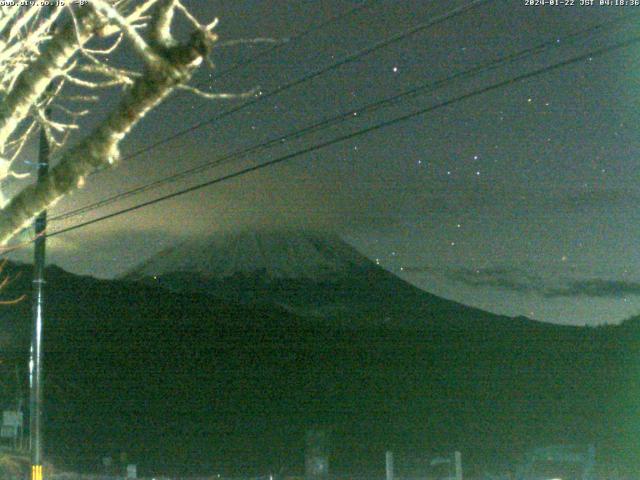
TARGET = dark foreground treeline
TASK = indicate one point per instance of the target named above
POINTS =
(187, 384)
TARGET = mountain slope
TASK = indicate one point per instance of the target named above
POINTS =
(309, 273)
(279, 254)
(189, 383)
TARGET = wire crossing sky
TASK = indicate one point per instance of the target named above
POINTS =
(489, 158)
(351, 114)
(358, 133)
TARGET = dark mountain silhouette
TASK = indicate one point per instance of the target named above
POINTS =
(188, 379)
(310, 274)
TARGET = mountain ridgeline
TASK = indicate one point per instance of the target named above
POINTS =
(215, 357)
(309, 274)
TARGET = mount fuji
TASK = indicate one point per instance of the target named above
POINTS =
(217, 355)
(308, 273)
(270, 254)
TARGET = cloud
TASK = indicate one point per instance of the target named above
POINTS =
(102, 253)
(520, 281)
(595, 288)
(511, 279)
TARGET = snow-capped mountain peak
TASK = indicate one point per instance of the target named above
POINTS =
(274, 254)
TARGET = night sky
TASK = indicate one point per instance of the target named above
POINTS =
(521, 201)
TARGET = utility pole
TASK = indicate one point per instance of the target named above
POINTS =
(35, 363)
(457, 457)
(389, 465)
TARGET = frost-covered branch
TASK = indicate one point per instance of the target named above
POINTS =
(248, 41)
(31, 84)
(4, 282)
(41, 46)
(216, 96)
(169, 64)
(111, 14)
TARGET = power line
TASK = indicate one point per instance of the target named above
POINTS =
(358, 133)
(336, 18)
(310, 76)
(348, 115)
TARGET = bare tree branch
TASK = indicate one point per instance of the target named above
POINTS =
(33, 82)
(169, 66)
(6, 280)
